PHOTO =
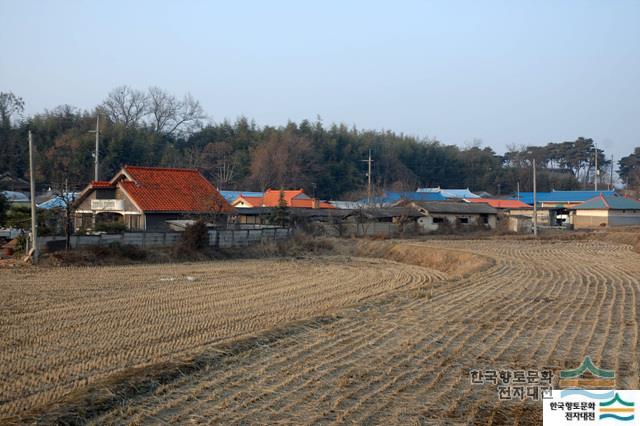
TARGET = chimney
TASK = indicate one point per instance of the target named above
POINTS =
(315, 203)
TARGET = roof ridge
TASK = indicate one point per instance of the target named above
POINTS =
(176, 169)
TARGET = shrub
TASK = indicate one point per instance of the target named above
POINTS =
(110, 227)
(194, 238)
(4, 208)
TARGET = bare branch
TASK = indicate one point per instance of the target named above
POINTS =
(126, 106)
(164, 108)
(189, 115)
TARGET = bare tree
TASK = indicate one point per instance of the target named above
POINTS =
(126, 106)
(163, 107)
(190, 114)
(217, 160)
(286, 160)
(10, 104)
(67, 199)
(170, 114)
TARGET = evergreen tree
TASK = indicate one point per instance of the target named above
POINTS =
(280, 215)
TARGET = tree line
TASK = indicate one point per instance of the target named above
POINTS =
(156, 128)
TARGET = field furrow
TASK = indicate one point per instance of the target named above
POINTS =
(397, 350)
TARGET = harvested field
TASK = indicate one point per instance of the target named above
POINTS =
(403, 357)
(63, 329)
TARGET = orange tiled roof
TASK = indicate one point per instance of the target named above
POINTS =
(272, 196)
(172, 190)
(308, 204)
(253, 201)
(294, 198)
(500, 204)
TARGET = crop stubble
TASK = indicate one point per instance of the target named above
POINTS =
(404, 358)
(63, 329)
(406, 361)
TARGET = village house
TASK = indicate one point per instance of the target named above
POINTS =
(500, 204)
(16, 198)
(450, 194)
(509, 213)
(145, 198)
(271, 198)
(606, 211)
(390, 198)
(437, 215)
(13, 183)
(232, 196)
(553, 207)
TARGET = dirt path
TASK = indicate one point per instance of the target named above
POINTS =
(405, 359)
(64, 329)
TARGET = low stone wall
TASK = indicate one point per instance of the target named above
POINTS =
(217, 238)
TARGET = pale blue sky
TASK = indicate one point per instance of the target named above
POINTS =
(504, 72)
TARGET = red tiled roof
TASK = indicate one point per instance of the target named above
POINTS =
(500, 204)
(308, 203)
(172, 190)
(254, 201)
(272, 196)
(101, 184)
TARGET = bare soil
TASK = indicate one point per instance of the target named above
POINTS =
(334, 340)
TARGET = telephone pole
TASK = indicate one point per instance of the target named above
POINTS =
(34, 225)
(611, 173)
(369, 161)
(97, 132)
(595, 178)
(535, 202)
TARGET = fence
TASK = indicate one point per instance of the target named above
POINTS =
(217, 238)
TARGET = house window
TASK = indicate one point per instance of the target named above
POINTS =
(437, 219)
(463, 220)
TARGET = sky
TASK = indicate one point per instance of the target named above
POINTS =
(503, 72)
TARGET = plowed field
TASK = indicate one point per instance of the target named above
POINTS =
(400, 353)
(63, 329)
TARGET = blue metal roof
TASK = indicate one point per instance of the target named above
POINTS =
(415, 196)
(605, 202)
(231, 196)
(58, 202)
(562, 196)
(391, 197)
(16, 197)
(449, 193)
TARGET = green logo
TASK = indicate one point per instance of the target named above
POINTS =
(624, 412)
(599, 378)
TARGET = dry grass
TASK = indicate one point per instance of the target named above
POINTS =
(267, 342)
(62, 329)
(454, 263)
(405, 360)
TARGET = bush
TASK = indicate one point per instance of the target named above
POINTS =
(114, 253)
(110, 227)
(21, 243)
(195, 238)
(4, 208)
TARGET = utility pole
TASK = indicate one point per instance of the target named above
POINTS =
(518, 190)
(369, 161)
(611, 180)
(595, 178)
(95, 156)
(34, 225)
(535, 202)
